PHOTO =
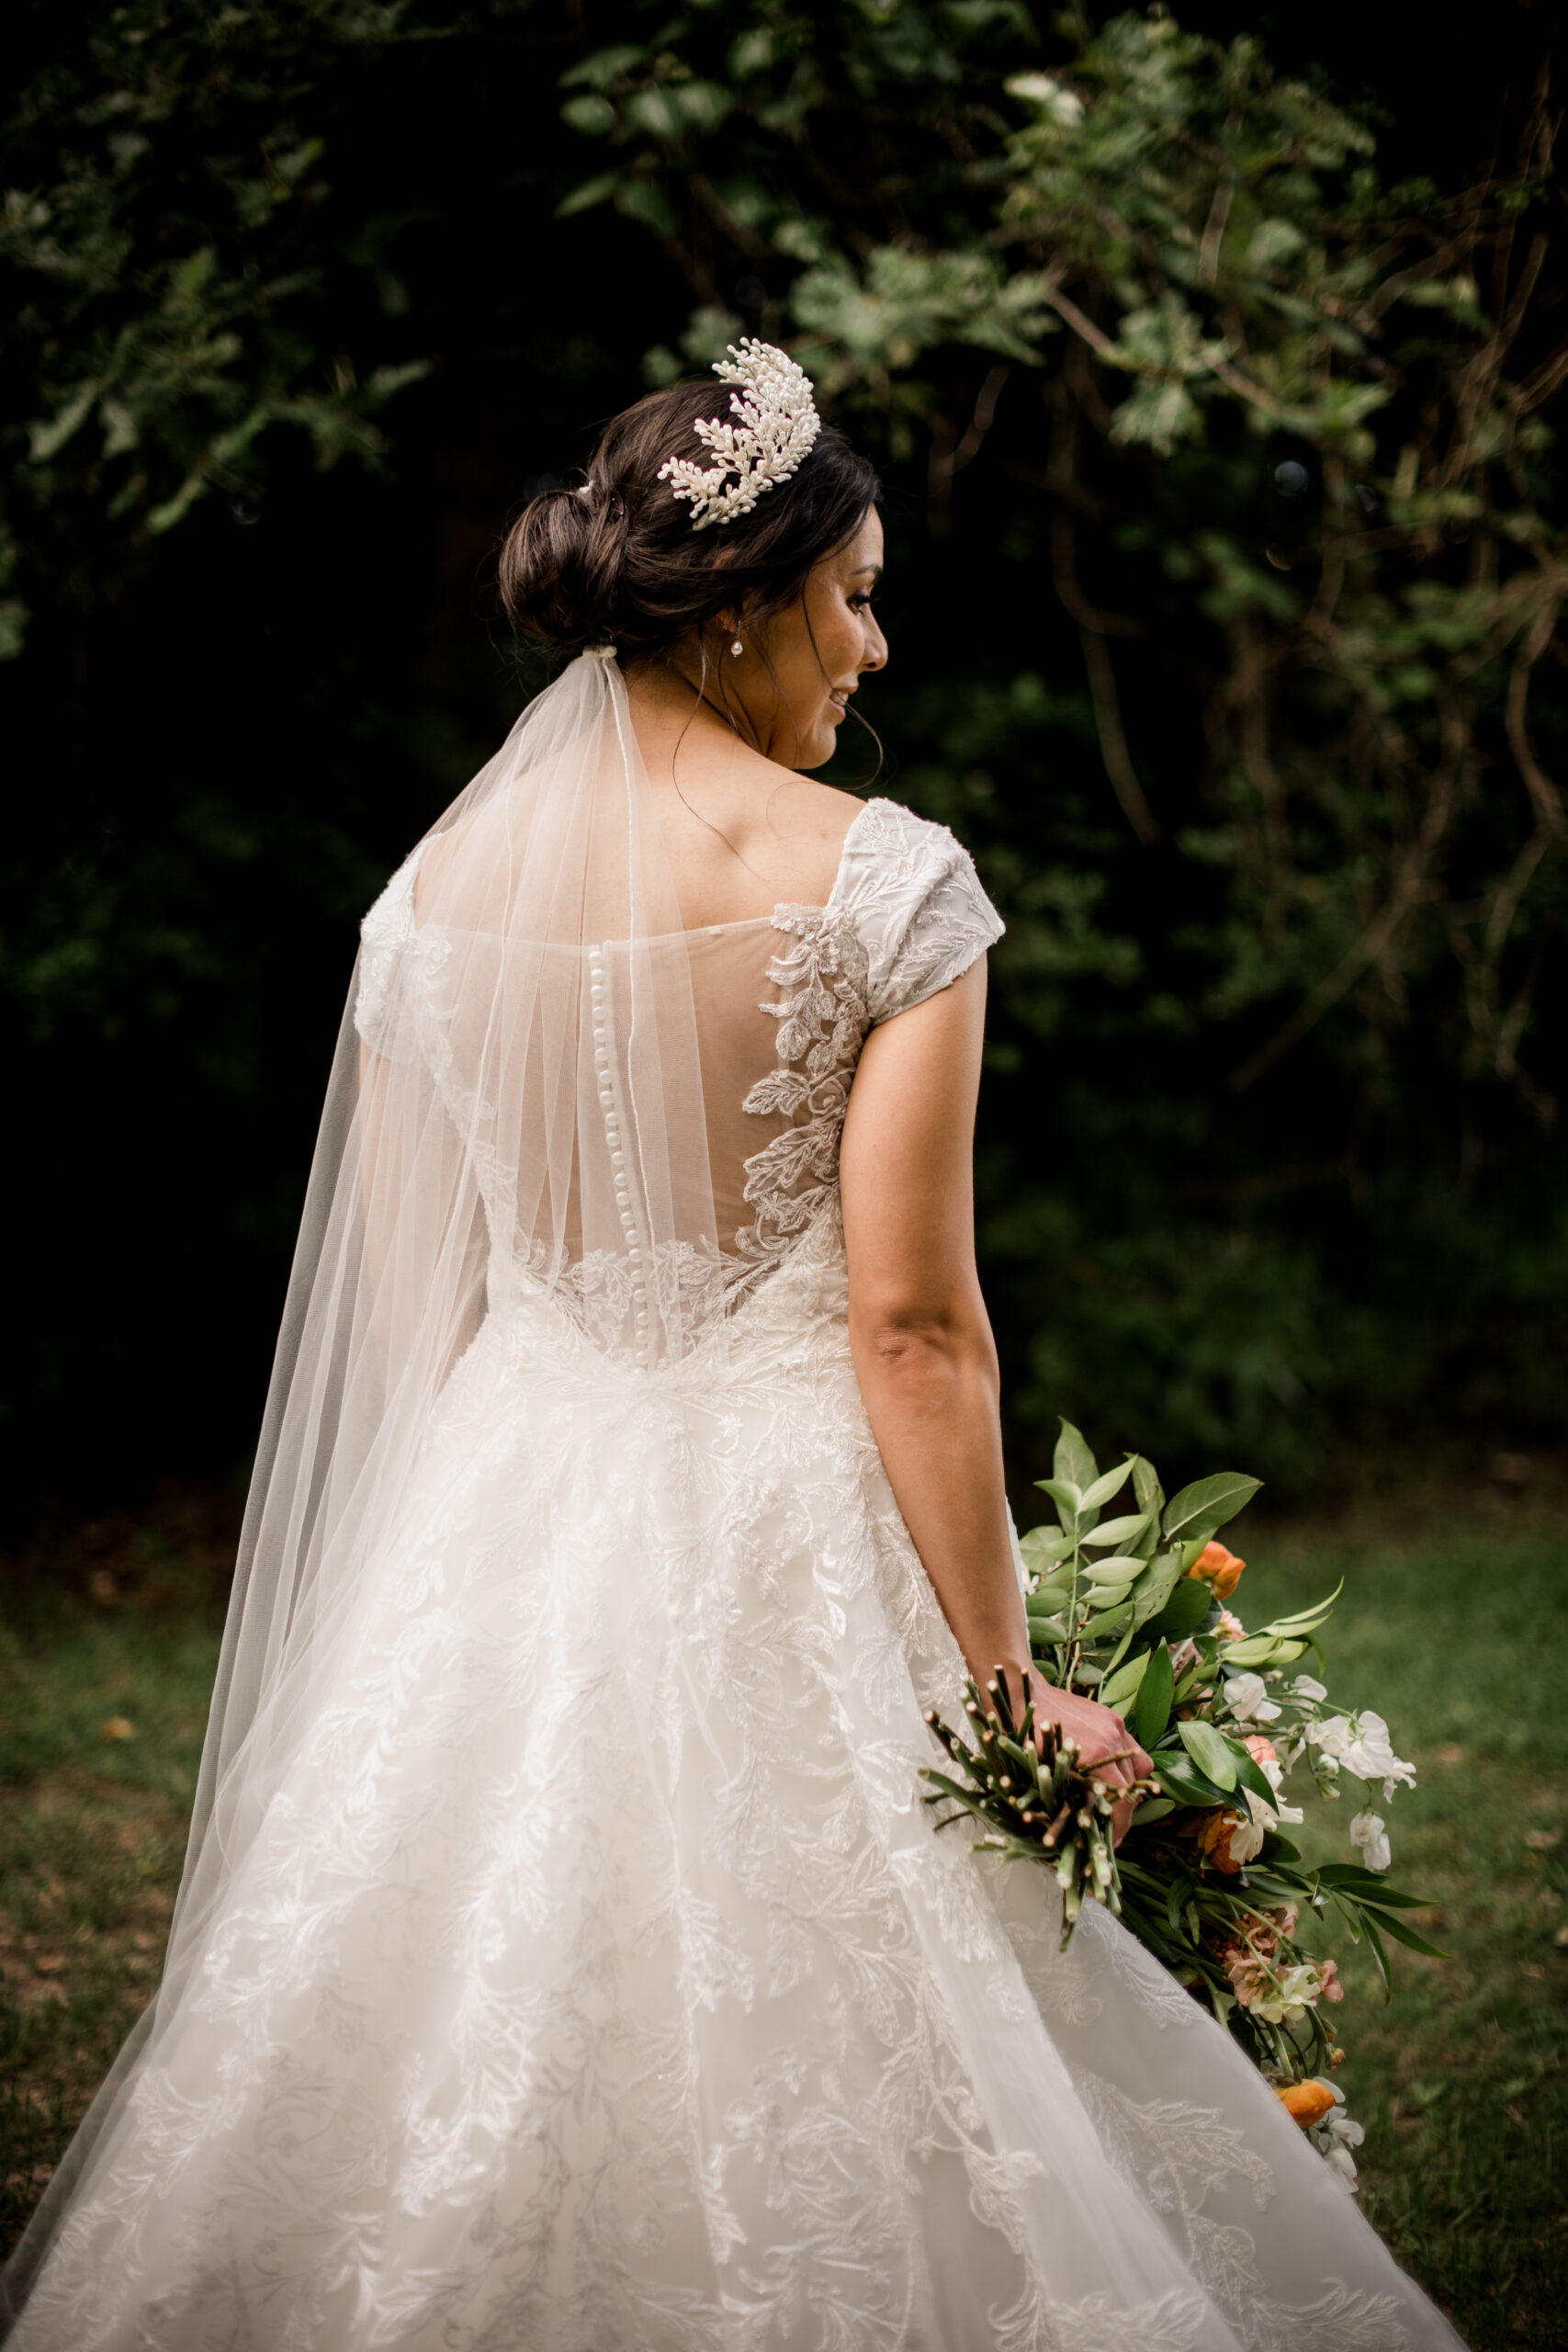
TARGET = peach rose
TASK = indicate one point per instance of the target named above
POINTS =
(1216, 1567)
(1261, 1750)
(1328, 1978)
(1307, 2103)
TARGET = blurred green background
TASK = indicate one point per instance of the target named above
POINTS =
(1249, 701)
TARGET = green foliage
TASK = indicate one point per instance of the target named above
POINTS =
(1245, 301)
(1226, 558)
(176, 293)
(1203, 1877)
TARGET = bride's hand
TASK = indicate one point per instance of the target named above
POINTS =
(1098, 1732)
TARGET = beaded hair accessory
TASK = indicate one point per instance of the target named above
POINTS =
(777, 425)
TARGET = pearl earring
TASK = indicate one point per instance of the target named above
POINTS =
(737, 649)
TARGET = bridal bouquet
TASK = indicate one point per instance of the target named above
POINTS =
(1132, 1610)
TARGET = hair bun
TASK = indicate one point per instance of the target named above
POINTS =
(558, 566)
(624, 563)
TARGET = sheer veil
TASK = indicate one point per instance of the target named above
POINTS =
(515, 1117)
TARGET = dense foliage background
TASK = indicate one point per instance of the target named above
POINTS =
(1211, 368)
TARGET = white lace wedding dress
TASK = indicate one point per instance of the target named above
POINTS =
(593, 1979)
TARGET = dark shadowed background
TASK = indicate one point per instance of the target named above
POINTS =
(304, 302)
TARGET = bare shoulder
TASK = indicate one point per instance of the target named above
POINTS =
(809, 823)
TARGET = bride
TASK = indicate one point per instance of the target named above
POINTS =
(565, 1961)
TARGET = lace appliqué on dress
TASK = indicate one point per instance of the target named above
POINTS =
(907, 917)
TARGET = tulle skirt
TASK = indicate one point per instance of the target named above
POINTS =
(594, 1980)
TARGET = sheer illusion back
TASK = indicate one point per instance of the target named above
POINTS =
(650, 1112)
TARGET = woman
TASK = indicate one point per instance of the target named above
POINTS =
(565, 1960)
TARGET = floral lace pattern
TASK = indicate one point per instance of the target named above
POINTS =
(595, 1981)
(905, 918)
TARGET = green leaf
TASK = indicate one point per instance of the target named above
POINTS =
(1120, 1687)
(1150, 1711)
(1155, 1586)
(1404, 1935)
(46, 439)
(590, 114)
(1375, 1944)
(1118, 1530)
(1189, 1603)
(1055, 1591)
(1067, 1497)
(1210, 1752)
(605, 65)
(1260, 1649)
(1123, 1645)
(1153, 1809)
(1112, 1483)
(1147, 1487)
(1306, 1621)
(1249, 1775)
(1186, 1783)
(1042, 1547)
(658, 111)
(1207, 1504)
(1120, 1569)
(1046, 1631)
(1105, 1618)
(1386, 1894)
(1073, 1463)
(592, 192)
(645, 201)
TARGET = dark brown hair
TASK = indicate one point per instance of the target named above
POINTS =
(623, 564)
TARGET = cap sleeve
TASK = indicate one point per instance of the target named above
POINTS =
(914, 898)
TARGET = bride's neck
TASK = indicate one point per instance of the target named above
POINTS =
(671, 704)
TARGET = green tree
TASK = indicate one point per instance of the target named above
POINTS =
(1227, 560)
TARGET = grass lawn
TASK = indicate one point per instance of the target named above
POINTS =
(1455, 1633)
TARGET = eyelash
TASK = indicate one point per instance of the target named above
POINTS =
(860, 601)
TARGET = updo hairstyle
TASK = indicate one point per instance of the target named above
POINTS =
(623, 564)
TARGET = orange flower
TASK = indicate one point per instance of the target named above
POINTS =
(1216, 1567)
(1261, 1750)
(1213, 1832)
(1307, 2103)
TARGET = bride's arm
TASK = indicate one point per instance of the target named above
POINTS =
(921, 1335)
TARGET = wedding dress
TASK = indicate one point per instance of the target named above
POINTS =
(566, 1961)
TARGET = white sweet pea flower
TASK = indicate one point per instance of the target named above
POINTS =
(1367, 1833)
(1372, 1757)
(1306, 1688)
(1273, 1771)
(1361, 1745)
(1246, 1837)
(1247, 1695)
(1334, 2138)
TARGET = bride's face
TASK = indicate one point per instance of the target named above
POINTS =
(817, 651)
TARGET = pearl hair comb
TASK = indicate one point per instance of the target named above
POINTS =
(777, 423)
